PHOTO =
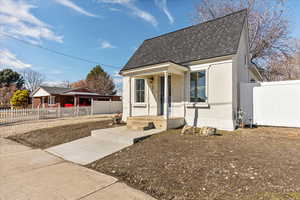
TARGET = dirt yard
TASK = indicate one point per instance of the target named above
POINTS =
(48, 137)
(27, 126)
(249, 164)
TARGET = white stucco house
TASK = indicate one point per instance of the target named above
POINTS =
(192, 75)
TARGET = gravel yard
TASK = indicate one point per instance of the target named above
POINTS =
(24, 127)
(247, 164)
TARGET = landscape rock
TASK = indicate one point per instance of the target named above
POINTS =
(188, 130)
(192, 130)
(208, 131)
(117, 118)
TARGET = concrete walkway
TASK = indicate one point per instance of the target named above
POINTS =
(34, 174)
(101, 143)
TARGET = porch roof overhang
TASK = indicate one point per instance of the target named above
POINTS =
(80, 93)
(160, 68)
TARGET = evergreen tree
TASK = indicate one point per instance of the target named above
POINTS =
(100, 81)
(9, 77)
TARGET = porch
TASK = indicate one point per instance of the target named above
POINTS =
(62, 101)
(155, 95)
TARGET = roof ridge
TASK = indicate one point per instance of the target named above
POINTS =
(188, 27)
(41, 86)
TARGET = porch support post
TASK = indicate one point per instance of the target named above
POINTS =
(130, 93)
(75, 101)
(166, 113)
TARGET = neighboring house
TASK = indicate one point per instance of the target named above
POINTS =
(192, 75)
(66, 97)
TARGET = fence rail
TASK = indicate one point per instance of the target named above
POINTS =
(98, 107)
(17, 115)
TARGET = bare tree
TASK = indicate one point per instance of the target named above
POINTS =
(6, 93)
(32, 79)
(79, 84)
(65, 84)
(268, 26)
(283, 67)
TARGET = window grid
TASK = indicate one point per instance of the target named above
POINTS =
(140, 90)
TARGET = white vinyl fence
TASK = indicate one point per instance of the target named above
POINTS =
(107, 107)
(98, 107)
(18, 115)
(277, 104)
(246, 100)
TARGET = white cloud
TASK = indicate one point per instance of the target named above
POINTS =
(114, 9)
(18, 21)
(116, 74)
(53, 83)
(162, 4)
(106, 45)
(73, 6)
(130, 4)
(8, 59)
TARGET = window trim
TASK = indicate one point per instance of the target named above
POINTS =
(51, 100)
(135, 92)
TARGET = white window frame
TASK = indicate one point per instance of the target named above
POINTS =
(198, 68)
(51, 100)
(135, 92)
(206, 97)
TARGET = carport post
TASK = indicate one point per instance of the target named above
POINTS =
(92, 106)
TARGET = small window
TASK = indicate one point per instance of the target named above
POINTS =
(198, 86)
(140, 90)
(51, 100)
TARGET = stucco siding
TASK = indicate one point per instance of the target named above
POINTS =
(219, 111)
(177, 89)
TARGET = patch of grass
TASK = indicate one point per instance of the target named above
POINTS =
(48, 137)
(248, 164)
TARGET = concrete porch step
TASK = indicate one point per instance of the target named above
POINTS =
(146, 122)
(147, 118)
(138, 122)
(140, 125)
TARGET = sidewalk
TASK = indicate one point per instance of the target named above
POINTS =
(101, 143)
(34, 174)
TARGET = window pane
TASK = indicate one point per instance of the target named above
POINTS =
(193, 85)
(142, 96)
(197, 87)
(201, 86)
(140, 90)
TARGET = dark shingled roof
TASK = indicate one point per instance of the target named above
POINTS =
(55, 90)
(214, 38)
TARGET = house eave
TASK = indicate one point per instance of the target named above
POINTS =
(165, 66)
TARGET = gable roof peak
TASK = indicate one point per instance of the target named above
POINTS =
(195, 25)
(214, 38)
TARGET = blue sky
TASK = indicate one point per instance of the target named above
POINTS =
(106, 31)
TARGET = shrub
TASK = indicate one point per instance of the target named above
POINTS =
(20, 99)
